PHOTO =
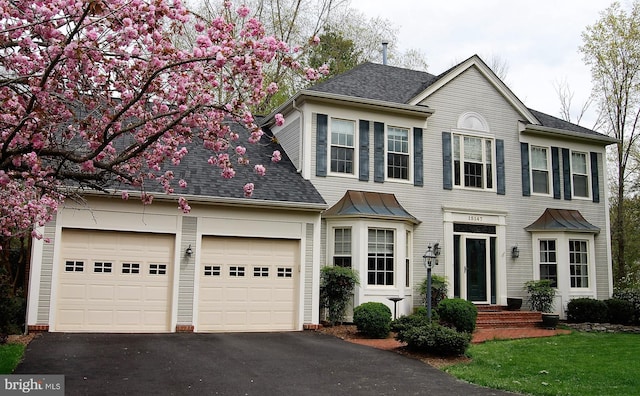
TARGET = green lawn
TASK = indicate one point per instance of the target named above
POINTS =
(10, 355)
(575, 364)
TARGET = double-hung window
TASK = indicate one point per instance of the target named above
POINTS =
(549, 261)
(342, 247)
(540, 170)
(342, 146)
(580, 174)
(380, 260)
(397, 153)
(473, 159)
(578, 263)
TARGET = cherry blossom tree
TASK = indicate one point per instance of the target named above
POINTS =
(94, 92)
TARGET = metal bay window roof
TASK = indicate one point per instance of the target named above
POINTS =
(371, 205)
(562, 220)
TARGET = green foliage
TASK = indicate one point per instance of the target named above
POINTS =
(418, 318)
(541, 295)
(620, 311)
(580, 310)
(438, 289)
(627, 273)
(459, 314)
(631, 295)
(436, 339)
(336, 51)
(585, 364)
(373, 319)
(336, 289)
(12, 310)
(10, 356)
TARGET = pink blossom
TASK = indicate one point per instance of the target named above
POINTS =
(279, 119)
(248, 190)
(240, 150)
(184, 205)
(260, 169)
(182, 183)
(243, 11)
(125, 195)
(276, 156)
(272, 88)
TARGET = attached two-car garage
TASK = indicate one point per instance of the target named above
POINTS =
(114, 281)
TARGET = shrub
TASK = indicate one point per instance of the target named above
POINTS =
(373, 319)
(541, 295)
(12, 310)
(438, 289)
(458, 313)
(581, 310)
(418, 318)
(436, 339)
(336, 288)
(633, 296)
(620, 311)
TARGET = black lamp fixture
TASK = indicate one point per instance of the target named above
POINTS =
(430, 259)
(515, 252)
(189, 251)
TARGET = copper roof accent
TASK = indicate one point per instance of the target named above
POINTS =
(562, 220)
(371, 205)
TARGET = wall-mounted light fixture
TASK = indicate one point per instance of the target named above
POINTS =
(189, 251)
(515, 252)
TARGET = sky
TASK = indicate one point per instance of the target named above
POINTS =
(538, 39)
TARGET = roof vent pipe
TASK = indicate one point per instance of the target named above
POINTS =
(385, 43)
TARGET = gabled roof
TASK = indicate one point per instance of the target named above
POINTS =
(358, 204)
(562, 220)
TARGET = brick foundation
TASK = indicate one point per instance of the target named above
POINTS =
(311, 326)
(38, 328)
(184, 328)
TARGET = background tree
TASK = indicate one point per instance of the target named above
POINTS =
(611, 47)
(337, 52)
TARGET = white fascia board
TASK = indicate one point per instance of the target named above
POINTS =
(548, 131)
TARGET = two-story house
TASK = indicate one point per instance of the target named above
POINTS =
(380, 163)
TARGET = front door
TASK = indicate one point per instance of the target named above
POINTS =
(476, 269)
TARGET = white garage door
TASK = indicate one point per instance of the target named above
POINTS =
(114, 282)
(248, 284)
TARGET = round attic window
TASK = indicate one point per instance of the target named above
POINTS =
(474, 121)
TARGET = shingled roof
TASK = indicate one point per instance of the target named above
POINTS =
(398, 85)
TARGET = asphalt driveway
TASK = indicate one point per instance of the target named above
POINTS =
(295, 363)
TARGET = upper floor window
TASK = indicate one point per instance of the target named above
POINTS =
(549, 261)
(397, 153)
(342, 247)
(540, 170)
(342, 146)
(473, 159)
(578, 263)
(580, 174)
(380, 260)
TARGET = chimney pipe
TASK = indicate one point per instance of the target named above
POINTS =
(385, 43)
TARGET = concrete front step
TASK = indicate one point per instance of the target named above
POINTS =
(501, 318)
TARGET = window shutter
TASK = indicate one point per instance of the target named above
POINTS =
(524, 159)
(566, 173)
(418, 166)
(447, 164)
(555, 166)
(363, 135)
(500, 166)
(595, 183)
(378, 154)
(322, 126)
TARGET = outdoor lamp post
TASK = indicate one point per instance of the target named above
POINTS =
(429, 261)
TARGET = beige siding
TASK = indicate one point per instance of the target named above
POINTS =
(308, 274)
(289, 138)
(44, 302)
(187, 270)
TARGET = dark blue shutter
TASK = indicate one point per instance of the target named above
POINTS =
(500, 166)
(595, 183)
(447, 165)
(524, 159)
(555, 166)
(321, 144)
(378, 154)
(566, 173)
(363, 135)
(418, 166)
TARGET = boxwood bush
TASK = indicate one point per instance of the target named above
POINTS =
(458, 313)
(373, 319)
(620, 311)
(418, 318)
(436, 339)
(633, 296)
(580, 310)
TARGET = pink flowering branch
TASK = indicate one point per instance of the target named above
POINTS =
(95, 92)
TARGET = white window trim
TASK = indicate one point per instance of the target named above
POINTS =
(356, 151)
(484, 136)
(332, 243)
(571, 173)
(410, 153)
(549, 171)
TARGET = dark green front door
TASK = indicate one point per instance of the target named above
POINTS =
(476, 269)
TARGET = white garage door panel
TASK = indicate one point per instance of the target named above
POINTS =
(248, 284)
(114, 282)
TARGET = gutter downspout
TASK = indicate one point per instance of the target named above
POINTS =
(301, 140)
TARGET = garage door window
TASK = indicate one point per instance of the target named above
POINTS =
(74, 266)
(102, 267)
(285, 272)
(261, 271)
(236, 271)
(130, 268)
(157, 269)
(211, 270)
